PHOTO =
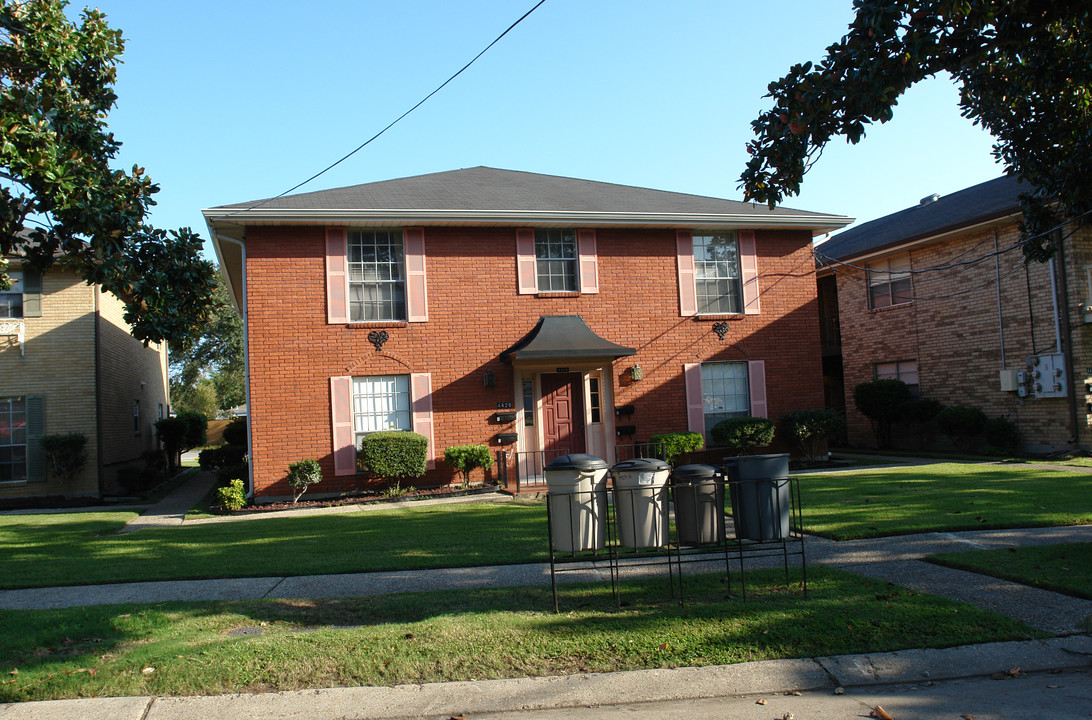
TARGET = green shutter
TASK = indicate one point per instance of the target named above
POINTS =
(36, 465)
(32, 292)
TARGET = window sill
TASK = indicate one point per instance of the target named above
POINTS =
(886, 308)
(372, 324)
(566, 294)
(723, 316)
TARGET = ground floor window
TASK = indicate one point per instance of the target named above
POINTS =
(905, 370)
(381, 402)
(724, 391)
(13, 439)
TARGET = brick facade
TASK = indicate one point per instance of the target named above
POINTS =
(475, 313)
(963, 326)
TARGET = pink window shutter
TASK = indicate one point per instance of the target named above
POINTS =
(695, 407)
(589, 261)
(416, 284)
(756, 381)
(748, 261)
(526, 266)
(337, 277)
(421, 404)
(684, 255)
(341, 418)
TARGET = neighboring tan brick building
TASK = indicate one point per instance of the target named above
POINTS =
(69, 365)
(939, 296)
(527, 312)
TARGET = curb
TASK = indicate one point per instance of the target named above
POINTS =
(551, 693)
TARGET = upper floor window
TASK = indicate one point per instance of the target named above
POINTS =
(11, 301)
(381, 402)
(555, 260)
(377, 275)
(717, 278)
(889, 282)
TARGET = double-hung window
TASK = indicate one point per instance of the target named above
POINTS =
(11, 301)
(556, 260)
(377, 275)
(905, 370)
(13, 439)
(724, 391)
(889, 282)
(717, 277)
(381, 402)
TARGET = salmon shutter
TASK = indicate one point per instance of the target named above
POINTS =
(526, 266)
(337, 277)
(684, 256)
(421, 405)
(589, 261)
(756, 381)
(341, 419)
(695, 407)
(416, 285)
(748, 262)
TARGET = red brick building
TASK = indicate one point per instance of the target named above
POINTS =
(939, 296)
(527, 312)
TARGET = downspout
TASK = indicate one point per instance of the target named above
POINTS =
(246, 366)
(1065, 332)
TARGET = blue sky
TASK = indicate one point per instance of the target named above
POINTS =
(235, 100)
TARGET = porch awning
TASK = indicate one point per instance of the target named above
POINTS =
(564, 337)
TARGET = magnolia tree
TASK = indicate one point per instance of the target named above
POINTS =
(61, 200)
(1024, 69)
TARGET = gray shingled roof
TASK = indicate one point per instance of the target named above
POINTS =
(484, 188)
(978, 203)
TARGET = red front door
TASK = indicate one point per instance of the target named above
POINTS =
(563, 411)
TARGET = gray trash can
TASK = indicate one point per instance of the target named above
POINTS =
(699, 504)
(759, 492)
(577, 502)
(640, 504)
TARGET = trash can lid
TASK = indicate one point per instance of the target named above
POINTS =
(692, 473)
(577, 461)
(641, 465)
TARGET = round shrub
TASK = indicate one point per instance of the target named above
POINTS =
(219, 457)
(466, 458)
(809, 428)
(961, 424)
(393, 454)
(233, 496)
(1002, 435)
(235, 432)
(302, 475)
(879, 401)
(743, 434)
(672, 445)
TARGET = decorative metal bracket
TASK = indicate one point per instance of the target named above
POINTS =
(721, 329)
(378, 337)
(14, 327)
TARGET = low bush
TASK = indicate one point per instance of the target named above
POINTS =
(961, 424)
(672, 445)
(743, 434)
(393, 454)
(220, 457)
(233, 496)
(302, 475)
(1002, 435)
(235, 432)
(879, 401)
(809, 428)
(238, 471)
(467, 458)
(64, 454)
(921, 415)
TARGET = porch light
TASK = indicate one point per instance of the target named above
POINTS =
(636, 373)
(490, 378)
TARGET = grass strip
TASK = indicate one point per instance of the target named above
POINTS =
(204, 648)
(1064, 568)
(943, 497)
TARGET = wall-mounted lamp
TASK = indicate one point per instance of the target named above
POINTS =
(490, 378)
(636, 373)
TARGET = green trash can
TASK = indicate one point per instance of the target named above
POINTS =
(759, 492)
(640, 502)
(577, 502)
(699, 504)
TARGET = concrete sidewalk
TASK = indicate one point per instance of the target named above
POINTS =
(1032, 679)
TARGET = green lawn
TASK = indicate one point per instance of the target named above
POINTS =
(945, 496)
(82, 548)
(1064, 568)
(201, 648)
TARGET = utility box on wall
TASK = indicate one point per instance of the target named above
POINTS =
(1010, 380)
(1046, 375)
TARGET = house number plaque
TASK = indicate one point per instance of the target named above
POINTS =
(504, 406)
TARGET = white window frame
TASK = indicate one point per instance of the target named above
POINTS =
(718, 267)
(9, 443)
(552, 265)
(890, 283)
(725, 391)
(9, 298)
(381, 402)
(376, 261)
(905, 370)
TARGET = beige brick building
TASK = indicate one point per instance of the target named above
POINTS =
(939, 295)
(69, 365)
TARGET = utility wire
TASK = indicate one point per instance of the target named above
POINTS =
(394, 122)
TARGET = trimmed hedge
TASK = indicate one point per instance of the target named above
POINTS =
(809, 428)
(220, 457)
(302, 475)
(672, 445)
(961, 424)
(235, 432)
(880, 401)
(466, 458)
(393, 454)
(743, 434)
